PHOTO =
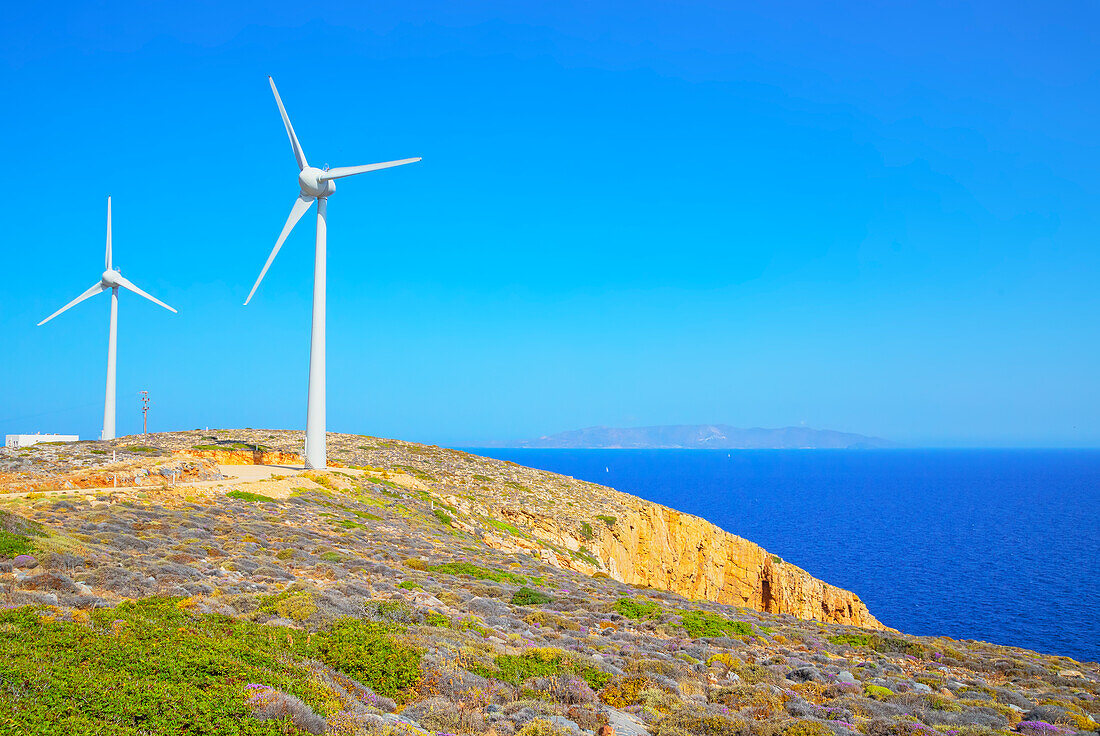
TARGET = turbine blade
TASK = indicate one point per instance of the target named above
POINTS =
(299, 154)
(108, 259)
(125, 283)
(342, 171)
(300, 206)
(86, 295)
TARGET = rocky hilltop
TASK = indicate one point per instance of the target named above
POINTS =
(167, 585)
(565, 522)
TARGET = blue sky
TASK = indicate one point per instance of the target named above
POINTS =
(867, 217)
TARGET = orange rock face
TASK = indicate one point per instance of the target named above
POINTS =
(662, 548)
(659, 547)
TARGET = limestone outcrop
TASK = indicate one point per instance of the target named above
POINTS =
(652, 545)
(656, 546)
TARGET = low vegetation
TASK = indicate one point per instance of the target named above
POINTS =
(699, 624)
(349, 609)
(151, 666)
(249, 497)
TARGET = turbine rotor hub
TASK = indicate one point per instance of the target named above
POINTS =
(109, 277)
(313, 186)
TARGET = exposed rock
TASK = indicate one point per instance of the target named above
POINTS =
(662, 548)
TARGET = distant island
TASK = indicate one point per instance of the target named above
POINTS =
(702, 437)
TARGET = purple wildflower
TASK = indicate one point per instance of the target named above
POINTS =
(1042, 726)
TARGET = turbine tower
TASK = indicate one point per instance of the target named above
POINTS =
(315, 184)
(110, 279)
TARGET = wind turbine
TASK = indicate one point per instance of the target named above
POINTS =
(110, 279)
(315, 184)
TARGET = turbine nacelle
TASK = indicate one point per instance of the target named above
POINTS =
(111, 278)
(312, 184)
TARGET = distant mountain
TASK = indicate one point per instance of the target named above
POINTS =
(703, 437)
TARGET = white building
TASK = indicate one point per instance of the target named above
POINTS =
(25, 440)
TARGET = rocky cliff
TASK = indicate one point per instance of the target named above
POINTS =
(662, 548)
(651, 545)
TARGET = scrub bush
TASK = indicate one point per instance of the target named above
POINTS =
(249, 497)
(527, 597)
(145, 667)
(477, 572)
(369, 653)
(700, 624)
(636, 609)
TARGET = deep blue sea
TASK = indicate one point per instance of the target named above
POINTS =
(997, 545)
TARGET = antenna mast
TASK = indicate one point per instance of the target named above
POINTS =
(144, 413)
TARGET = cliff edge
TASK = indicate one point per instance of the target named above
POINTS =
(565, 522)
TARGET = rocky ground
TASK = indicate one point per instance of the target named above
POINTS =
(419, 589)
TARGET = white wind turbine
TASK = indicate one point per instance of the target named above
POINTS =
(110, 279)
(315, 184)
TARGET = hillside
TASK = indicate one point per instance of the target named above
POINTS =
(702, 437)
(423, 590)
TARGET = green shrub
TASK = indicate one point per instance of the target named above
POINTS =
(527, 597)
(444, 518)
(703, 623)
(586, 531)
(542, 662)
(368, 652)
(636, 609)
(249, 497)
(504, 526)
(880, 643)
(609, 520)
(296, 605)
(410, 585)
(878, 692)
(475, 571)
(938, 702)
(431, 618)
(145, 667)
(12, 545)
(415, 563)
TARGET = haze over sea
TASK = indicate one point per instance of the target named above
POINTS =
(997, 545)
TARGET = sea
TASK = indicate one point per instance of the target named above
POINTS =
(996, 545)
